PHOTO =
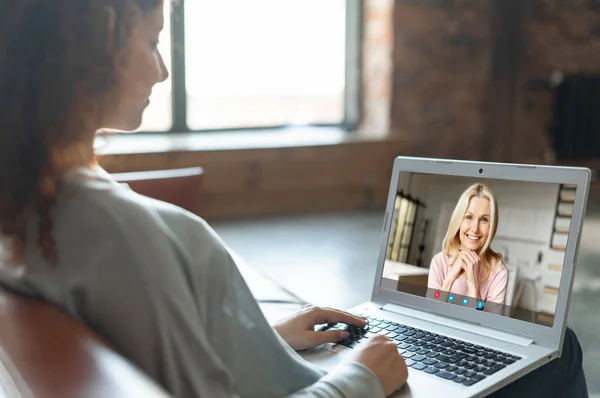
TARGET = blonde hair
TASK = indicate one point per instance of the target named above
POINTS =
(451, 244)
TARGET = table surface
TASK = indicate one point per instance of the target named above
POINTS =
(393, 269)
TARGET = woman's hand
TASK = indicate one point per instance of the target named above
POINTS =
(457, 267)
(298, 329)
(381, 356)
(473, 267)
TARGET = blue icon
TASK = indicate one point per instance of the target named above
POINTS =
(450, 297)
(480, 304)
(465, 301)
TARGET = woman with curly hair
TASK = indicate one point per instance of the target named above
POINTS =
(154, 280)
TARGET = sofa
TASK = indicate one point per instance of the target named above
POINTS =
(44, 353)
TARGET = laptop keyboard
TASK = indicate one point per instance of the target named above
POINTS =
(450, 359)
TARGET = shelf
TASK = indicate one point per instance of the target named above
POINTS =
(569, 186)
(567, 214)
(561, 230)
(567, 199)
(551, 290)
(559, 248)
(563, 217)
(521, 240)
(555, 267)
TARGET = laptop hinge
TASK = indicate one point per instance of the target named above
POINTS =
(460, 325)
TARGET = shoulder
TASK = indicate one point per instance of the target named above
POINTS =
(104, 207)
(499, 268)
(102, 211)
(97, 215)
(94, 222)
(112, 205)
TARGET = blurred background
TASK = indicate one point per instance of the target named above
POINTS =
(291, 113)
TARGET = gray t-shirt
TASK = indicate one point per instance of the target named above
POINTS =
(161, 286)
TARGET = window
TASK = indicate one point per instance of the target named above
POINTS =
(239, 64)
(402, 229)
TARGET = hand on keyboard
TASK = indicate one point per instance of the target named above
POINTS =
(298, 329)
(448, 358)
(381, 356)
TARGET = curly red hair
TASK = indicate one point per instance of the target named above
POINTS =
(57, 59)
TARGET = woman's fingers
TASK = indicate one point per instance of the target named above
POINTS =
(463, 264)
(457, 266)
(330, 315)
(474, 257)
(466, 259)
(471, 265)
(476, 262)
(313, 339)
(473, 261)
(453, 259)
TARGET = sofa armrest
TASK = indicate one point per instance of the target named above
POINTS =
(46, 353)
(181, 187)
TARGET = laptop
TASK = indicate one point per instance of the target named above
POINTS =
(456, 342)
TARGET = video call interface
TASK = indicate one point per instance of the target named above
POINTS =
(491, 245)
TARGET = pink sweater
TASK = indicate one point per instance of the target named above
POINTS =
(493, 289)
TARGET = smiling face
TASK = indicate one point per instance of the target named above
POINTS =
(141, 69)
(475, 226)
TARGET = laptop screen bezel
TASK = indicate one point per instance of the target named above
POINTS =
(544, 335)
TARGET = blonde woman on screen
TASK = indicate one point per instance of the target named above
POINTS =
(467, 265)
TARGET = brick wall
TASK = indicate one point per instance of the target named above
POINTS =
(563, 37)
(471, 78)
(441, 65)
(377, 67)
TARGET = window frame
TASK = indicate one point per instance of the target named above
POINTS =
(352, 86)
(404, 227)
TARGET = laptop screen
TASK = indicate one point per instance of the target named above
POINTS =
(491, 245)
